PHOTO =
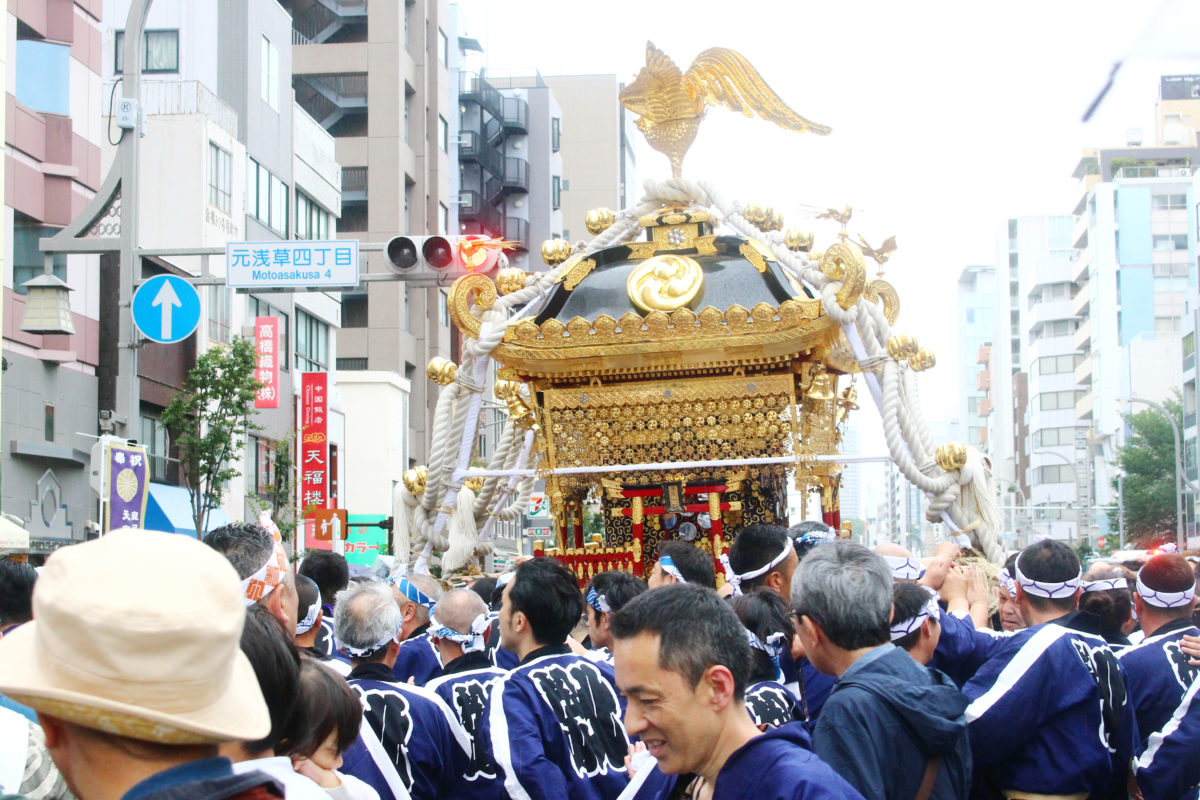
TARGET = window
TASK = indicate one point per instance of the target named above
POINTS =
(556, 192)
(1169, 241)
(312, 221)
(28, 260)
(443, 219)
(262, 474)
(218, 313)
(270, 74)
(312, 343)
(1168, 201)
(261, 308)
(161, 53)
(1054, 473)
(278, 217)
(354, 311)
(266, 197)
(970, 316)
(443, 46)
(443, 134)
(1177, 283)
(1056, 365)
(42, 75)
(555, 133)
(404, 311)
(1166, 324)
(1189, 345)
(220, 178)
(154, 437)
(443, 310)
(1055, 437)
(408, 96)
(48, 422)
(1056, 401)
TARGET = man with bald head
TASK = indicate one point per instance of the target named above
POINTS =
(458, 628)
(418, 660)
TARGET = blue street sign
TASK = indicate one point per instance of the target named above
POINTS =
(166, 309)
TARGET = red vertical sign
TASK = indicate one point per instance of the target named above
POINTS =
(266, 361)
(314, 449)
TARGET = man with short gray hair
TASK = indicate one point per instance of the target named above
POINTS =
(418, 661)
(415, 742)
(891, 728)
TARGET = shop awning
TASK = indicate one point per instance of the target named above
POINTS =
(169, 509)
(13, 535)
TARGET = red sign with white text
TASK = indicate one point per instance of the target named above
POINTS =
(266, 361)
(314, 449)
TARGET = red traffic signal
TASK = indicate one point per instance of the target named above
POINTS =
(439, 260)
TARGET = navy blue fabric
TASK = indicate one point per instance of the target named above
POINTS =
(961, 649)
(771, 704)
(206, 779)
(1157, 674)
(418, 660)
(816, 686)
(776, 765)
(1170, 767)
(415, 728)
(886, 718)
(555, 728)
(1048, 713)
(357, 761)
(467, 694)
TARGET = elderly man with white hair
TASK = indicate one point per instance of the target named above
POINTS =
(418, 660)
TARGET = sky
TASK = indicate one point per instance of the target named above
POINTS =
(947, 117)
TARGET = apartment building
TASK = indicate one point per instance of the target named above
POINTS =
(53, 136)
(976, 307)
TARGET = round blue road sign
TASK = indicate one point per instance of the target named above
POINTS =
(166, 309)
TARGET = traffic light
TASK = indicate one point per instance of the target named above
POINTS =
(440, 260)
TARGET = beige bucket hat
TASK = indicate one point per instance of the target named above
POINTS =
(137, 634)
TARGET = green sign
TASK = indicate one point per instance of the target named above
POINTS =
(365, 542)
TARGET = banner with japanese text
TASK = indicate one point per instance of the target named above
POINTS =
(126, 480)
(266, 361)
(314, 451)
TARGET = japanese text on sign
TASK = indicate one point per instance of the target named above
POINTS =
(266, 361)
(314, 446)
(296, 263)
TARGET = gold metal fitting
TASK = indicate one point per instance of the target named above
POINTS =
(414, 480)
(798, 241)
(902, 346)
(509, 280)
(474, 483)
(599, 219)
(773, 220)
(952, 456)
(441, 370)
(555, 251)
(824, 387)
(504, 389)
(923, 360)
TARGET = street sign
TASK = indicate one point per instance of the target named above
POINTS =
(166, 309)
(298, 264)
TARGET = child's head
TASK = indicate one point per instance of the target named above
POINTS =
(328, 713)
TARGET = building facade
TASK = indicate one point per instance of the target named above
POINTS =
(976, 307)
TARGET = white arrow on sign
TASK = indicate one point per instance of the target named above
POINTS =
(167, 299)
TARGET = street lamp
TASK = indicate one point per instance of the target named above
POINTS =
(1075, 475)
(1179, 478)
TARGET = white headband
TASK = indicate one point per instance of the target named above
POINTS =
(363, 652)
(905, 569)
(504, 578)
(773, 646)
(1052, 589)
(305, 625)
(1006, 580)
(735, 580)
(471, 641)
(1165, 599)
(667, 565)
(1105, 584)
(271, 573)
(930, 609)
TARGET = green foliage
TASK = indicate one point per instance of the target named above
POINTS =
(593, 521)
(280, 501)
(208, 422)
(1148, 461)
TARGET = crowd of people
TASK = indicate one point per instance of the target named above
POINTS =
(148, 666)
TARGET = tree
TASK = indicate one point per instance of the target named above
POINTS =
(1148, 461)
(209, 420)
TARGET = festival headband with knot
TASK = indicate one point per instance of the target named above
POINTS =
(1165, 599)
(1051, 589)
(773, 646)
(931, 609)
(735, 580)
(668, 566)
(598, 602)
(1105, 584)
(1006, 580)
(370, 650)
(505, 578)
(817, 537)
(270, 574)
(905, 568)
(305, 625)
(410, 591)
(472, 641)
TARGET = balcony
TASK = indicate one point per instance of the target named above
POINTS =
(329, 20)
(1153, 171)
(984, 408)
(516, 115)
(515, 180)
(477, 216)
(474, 89)
(985, 354)
(331, 98)
(1083, 406)
(1083, 372)
(1081, 302)
(1083, 336)
(473, 149)
(354, 185)
(186, 97)
(517, 230)
(1082, 266)
(983, 380)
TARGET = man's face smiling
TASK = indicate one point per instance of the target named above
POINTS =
(670, 716)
